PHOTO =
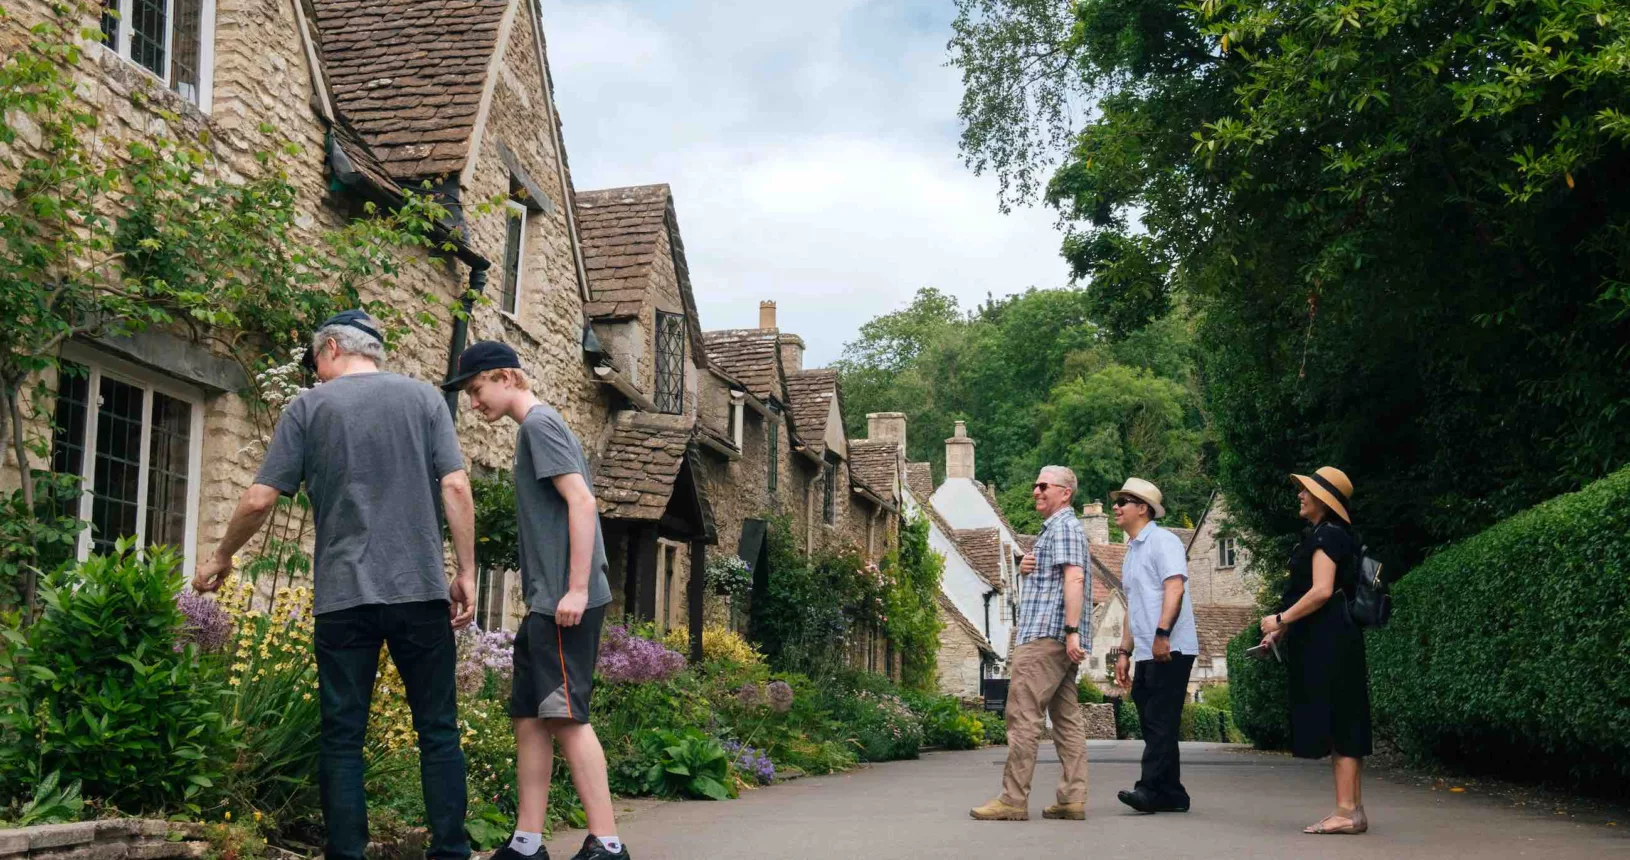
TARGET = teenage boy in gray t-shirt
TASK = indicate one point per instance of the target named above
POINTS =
(563, 576)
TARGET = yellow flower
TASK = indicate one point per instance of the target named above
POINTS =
(306, 697)
(257, 815)
(229, 815)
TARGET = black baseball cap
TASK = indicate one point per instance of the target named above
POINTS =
(482, 355)
(356, 318)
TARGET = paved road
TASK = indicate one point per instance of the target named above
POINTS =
(1246, 804)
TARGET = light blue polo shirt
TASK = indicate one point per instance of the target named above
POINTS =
(1153, 557)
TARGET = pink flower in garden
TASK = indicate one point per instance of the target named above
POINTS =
(629, 659)
(207, 625)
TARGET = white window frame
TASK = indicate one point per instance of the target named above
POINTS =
(520, 259)
(100, 365)
(206, 47)
(1227, 553)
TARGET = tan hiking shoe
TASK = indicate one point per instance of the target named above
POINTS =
(999, 810)
(1070, 811)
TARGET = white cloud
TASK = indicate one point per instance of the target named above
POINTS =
(812, 152)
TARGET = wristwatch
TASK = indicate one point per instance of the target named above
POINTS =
(1068, 630)
(1161, 631)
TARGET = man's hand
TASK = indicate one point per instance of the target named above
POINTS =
(1028, 565)
(211, 573)
(461, 599)
(1162, 649)
(1072, 647)
(571, 608)
(1123, 671)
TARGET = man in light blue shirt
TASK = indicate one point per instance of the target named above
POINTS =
(1159, 638)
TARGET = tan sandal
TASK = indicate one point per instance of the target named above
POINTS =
(1356, 823)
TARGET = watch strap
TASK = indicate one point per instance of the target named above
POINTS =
(1161, 631)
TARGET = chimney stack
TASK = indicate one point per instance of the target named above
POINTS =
(887, 427)
(792, 352)
(1095, 522)
(766, 314)
(959, 454)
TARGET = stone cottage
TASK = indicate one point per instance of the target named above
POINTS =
(694, 441)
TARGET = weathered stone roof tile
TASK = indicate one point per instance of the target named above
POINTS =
(751, 356)
(876, 463)
(810, 394)
(920, 478)
(983, 549)
(1214, 625)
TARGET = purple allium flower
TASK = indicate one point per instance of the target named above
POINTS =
(629, 659)
(207, 625)
(749, 696)
(780, 697)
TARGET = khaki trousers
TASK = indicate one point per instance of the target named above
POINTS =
(1042, 680)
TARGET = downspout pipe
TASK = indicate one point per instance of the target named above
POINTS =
(461, 326)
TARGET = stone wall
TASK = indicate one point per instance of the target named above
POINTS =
(1100, 721)
(958, 660)
(121, 839)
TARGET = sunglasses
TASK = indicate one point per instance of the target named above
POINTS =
(1123, 501)
(1043, 486)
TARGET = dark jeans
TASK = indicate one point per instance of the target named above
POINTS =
(1159, 690)
(420, 636)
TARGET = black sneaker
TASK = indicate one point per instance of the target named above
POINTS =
(593, 850)
(508, 853)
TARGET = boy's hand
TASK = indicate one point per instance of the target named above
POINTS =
(571, 608)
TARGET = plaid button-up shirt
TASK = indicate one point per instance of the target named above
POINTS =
(1041, 596)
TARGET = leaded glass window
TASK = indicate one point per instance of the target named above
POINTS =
(670, 388)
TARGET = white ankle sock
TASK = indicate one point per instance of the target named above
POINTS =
(526, 843)
(612, 843)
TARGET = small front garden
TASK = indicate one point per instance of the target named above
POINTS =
(122, 699)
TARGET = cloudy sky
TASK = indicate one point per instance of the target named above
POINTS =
(812, 151)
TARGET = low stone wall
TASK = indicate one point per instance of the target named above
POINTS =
(120, 839)
(1100, 721)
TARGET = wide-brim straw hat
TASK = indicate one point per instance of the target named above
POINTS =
(1143, 491)
(1330, 485)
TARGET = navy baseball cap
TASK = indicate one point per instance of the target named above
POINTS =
(357, 319)
(483, 355)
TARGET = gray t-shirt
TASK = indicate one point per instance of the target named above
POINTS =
(544, 448)
(371, 449)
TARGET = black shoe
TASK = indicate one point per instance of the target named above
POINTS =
(508, 853)
(593, 850)
(1139, 799)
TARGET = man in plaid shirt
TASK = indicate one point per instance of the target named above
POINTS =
(1046, 654)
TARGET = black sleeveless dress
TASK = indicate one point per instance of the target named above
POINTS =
(1329, 684)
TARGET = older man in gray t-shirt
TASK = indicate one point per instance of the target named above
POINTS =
(380, 463)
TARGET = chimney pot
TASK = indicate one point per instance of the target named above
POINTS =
(766, 314)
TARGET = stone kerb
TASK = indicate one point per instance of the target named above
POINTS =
(120, 839)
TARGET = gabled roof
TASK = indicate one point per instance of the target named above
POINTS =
(983, 549)
(1214, 625)
(410, 75)
(944, 527)
(1026, 542)
(1107, 559)
(1184, 535)
(990, 497)
(875, 463)
(619, 229)
(752, 356)
(641, 463)
(961, 621)
(920, 478)
(809, 398)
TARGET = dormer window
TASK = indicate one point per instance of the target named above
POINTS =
(670, 369)
(170, 38)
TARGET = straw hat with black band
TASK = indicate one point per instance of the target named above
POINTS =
(1330, 485)
(1143, 491)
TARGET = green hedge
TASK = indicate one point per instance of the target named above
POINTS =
(1510, 652)
(1256, 693)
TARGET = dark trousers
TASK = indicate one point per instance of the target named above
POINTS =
(420, 636)
(1159, 690)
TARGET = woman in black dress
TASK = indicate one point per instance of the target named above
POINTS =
(1329, 685)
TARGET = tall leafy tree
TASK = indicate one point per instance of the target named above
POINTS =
(1394, 220)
